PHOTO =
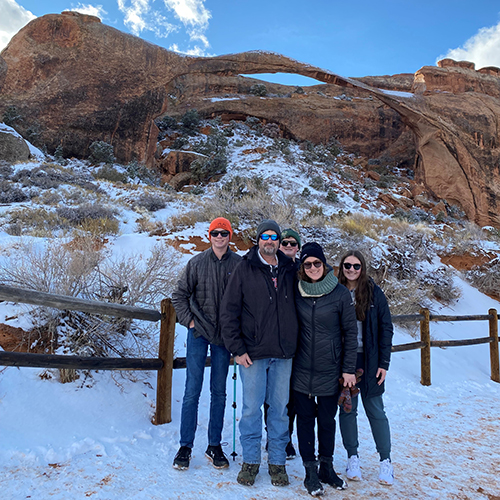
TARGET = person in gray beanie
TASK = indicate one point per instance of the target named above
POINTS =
(259, 327)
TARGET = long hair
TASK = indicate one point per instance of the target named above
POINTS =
(364, 286)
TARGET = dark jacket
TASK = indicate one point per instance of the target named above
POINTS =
(199, 292)
(327, 342)
(256, 318)
(377, 343)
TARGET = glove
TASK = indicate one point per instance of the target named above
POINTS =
(347, 393)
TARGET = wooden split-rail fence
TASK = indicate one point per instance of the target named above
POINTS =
(165, 363)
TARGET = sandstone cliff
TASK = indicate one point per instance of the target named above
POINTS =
(84, 81)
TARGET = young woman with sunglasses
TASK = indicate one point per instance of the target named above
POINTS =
(326, 350)
(375, 333)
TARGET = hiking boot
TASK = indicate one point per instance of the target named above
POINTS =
(217, 456)
(353, 471)
(278, 474)
(290, 451)
(386, 474)
(328, 476)
(312, 482)
(181, 460)
(247, 474)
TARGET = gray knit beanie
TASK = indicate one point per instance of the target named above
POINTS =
(268, 225)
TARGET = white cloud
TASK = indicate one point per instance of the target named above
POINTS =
(483, 49)
(91, 10)
(13, 18)
(194, 16)
(139, 17)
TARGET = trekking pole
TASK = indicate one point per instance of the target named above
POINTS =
(234, 454)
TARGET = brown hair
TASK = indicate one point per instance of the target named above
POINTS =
(364, 286)
(303, 276)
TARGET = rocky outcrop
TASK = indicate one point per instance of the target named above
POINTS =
(13, 148)
(84, 81)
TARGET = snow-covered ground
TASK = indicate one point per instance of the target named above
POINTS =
(75, 442)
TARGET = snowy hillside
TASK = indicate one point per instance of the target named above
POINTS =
(93, 437)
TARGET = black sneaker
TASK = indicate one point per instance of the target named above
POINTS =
(181, 460)
(290, 451)
(217, 456)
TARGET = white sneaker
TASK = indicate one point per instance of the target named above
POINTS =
(386, 475)
(353, 470)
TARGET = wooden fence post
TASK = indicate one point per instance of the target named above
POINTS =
(494, 360)
(425, 353)
(166, 354)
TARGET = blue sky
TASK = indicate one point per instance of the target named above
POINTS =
(349, 38)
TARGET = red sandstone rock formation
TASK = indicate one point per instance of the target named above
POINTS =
(84, 81)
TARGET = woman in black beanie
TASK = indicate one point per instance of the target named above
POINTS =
(326, 351)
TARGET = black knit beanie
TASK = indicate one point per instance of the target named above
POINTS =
(312, 250)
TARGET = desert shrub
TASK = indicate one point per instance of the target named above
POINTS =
(197, 190)
(180, 142)
(110, 173)
(77, 215)
(254, 123)
(46, 176)
(167, 122)
(271, 130)
(214, 148)
(306, 193)
(101, 152)
(11, 116)
(139, 172)
(299, 90)
(332, 196)
(317, 183)
(6, 171)
(34, 221)
(10, 193)
(486, 278)
(258, 89)
(151, 202)
(282, 145)
(191, 120)
(59, 155)
(81, 269)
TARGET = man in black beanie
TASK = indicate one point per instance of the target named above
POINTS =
(260, 328)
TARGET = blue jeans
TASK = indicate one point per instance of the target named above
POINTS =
(265, 381)
(196, 355)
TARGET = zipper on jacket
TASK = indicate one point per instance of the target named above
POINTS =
(313, 342)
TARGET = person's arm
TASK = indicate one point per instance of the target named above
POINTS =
(182, 294)
(385, 334)
(349, 327)
(230, 316)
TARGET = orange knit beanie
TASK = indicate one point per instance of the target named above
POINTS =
(221, 223)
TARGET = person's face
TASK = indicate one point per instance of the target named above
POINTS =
(289, 247)
(269, 247)
(219, 238)
(313, 267)
(351, 274)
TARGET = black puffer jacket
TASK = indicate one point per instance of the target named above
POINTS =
(327, 342)
(377, 343)
(199, 292)
(256, 318)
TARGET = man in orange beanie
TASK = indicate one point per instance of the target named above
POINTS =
(197, 300)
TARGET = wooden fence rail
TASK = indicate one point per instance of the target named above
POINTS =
(165, 363)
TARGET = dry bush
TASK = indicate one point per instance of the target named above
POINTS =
(466, 239)
(34, 222)
(486, 278)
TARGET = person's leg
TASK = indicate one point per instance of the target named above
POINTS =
(349, 428)
(327, 409)
(254, 381)
(196, 355)
(306, 419)
(278, 386)
(379, 424)
(218, 376)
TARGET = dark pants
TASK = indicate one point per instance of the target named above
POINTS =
(323, 409)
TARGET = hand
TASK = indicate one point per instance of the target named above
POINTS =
(381, 373)
(243, 360)
(349, 379)
(191, 325)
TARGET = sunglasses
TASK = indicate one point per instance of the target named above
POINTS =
(316, 263)
(214, 234)
(265, 237)
(348, 265)
(289, 243)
